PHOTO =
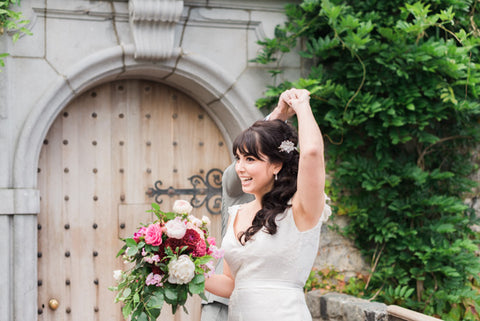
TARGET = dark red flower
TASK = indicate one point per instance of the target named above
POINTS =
(200, 249)
(191, 239)
(156, 270)
(174, 243)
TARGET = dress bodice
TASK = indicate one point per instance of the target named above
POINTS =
(270, 271)
(287, 256)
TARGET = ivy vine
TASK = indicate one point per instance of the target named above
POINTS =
(11, 22)
(395, 88)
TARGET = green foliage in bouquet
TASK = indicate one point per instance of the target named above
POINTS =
(395, 88)
(11, 21)
(171, 258)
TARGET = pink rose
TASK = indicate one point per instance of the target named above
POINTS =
(140, 233)
(209, 268)
(176, 228)
(211, 240)
(216, 252)
(182, 207)
(153, 235)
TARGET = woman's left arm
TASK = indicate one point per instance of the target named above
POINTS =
(309, 200)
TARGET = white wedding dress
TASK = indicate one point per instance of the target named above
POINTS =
(270, 271)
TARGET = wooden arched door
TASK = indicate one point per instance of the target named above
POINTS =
(102, 155)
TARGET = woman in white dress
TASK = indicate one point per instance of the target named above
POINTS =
(271, 243)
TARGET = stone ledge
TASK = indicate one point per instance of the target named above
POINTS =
(342, 307)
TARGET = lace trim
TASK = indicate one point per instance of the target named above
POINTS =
(327, 211)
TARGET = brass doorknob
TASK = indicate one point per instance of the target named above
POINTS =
(53, 304)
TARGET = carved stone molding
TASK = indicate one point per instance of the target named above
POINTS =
(153, 27)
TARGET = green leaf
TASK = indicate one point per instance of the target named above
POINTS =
(127, 310)
(445, 228)
(127, 292)
(170, 216)
(198, 279)
(182, 294)
(156, 301)
(155, 206)
(202, 260)
(132, 251)
(143, 317)
(203, 296)
(197, 285)
(131, 242)
(154, 313)
(171, 295)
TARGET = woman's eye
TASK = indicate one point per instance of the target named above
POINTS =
(250, 159)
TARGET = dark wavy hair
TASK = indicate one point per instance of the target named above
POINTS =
(262, 139)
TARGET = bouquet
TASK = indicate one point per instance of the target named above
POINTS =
(171, 258)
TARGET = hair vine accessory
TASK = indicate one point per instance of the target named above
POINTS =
(287, 146)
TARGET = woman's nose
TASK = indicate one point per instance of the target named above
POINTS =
(239, 165)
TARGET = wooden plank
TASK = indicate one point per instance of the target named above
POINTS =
(118, 105)
(396, 312)
(79, 157)
(50, 242)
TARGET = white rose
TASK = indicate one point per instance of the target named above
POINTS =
(176, 228)
(117, 274)
(195, 220)
(182, 207)
(206, 221)
(181, 270)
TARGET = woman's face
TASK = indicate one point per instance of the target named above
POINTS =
(256, 175)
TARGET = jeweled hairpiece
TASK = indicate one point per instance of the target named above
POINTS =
(287, 146)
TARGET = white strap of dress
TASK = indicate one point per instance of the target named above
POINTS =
(327, 211)
(232, 212)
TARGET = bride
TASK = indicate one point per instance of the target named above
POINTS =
(271, 243)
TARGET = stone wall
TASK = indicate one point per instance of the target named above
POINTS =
(337, 252)
(342, 307)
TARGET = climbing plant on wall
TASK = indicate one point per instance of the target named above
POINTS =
(395, 88)
(11, 21)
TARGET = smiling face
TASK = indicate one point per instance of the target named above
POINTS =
(256, 173)
(258, 156)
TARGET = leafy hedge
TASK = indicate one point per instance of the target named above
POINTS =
(395, 89)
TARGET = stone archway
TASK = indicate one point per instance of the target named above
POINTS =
(200, 78)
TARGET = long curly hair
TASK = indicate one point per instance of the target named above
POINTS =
(262, 139)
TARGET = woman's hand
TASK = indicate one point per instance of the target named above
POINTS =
(283, 111)
(296, 98)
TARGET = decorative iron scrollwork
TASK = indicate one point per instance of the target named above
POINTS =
(206, 191)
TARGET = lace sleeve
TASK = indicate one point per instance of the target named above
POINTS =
(327, 211)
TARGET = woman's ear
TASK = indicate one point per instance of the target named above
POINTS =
(277, 167)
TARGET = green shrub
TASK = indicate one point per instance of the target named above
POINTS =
(395, 89)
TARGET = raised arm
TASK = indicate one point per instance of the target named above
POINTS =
(283, 111)
(309, 200)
